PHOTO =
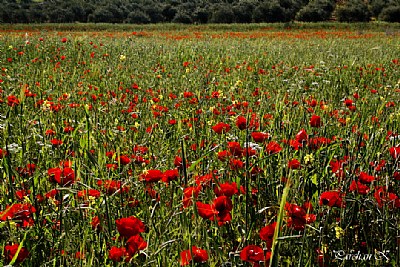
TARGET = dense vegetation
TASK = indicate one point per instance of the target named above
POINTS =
(194, 147)
(196, 11)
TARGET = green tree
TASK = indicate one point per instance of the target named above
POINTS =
(353, 11)
(101, 14)
(390, 14)
(243, 11)
(201, 15)
(319, 10)
(155, 11)
(169, 11)
(376, 6)
(182, 17)
(222, 14)
(269, 12)
(138, 17)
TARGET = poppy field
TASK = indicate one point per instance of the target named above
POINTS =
(200, 147)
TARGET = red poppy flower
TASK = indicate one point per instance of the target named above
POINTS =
(365, 178)
(359, 187)
(130, 226)
(296, 223)
(395, 152)
(294, 164)
(322, 258)
(111, 166)
(63, 177)
(51, 194)
(12, 101)
(379, 166)
(21, 194)
(317, 142)
(188, 94)
(273, 148)
(89, 192)
(267, 233)
(301, 136)
(68, 129)
(260, 137)
(294, 210)
(22, 213)
(253, 254)
(315, 121)
(308, 206)
(226, 189)
(310, 218)
(27, 171)
(383, 197)
(221, 128)
(116, 254)
(222, 204)
(11, 250)
(112, 186)
(331, 199)
(298, 217)
(134, 244)
(189, 193)
(235, 149)
(172, 122)
(170, 175)
(220, 208)
(197, 255)
(124, 160)
(293, 143)
(241, 123)
(205, 179)
(312, 102)
(348, 102)
(56, 142)
(2, 153)
(95, 223)
(236, 164)
(178, 163)
(79, 255)
(223, 218)
(152, 176)
(109, 154)
(248, 151)
(337, 167)
(223, 155)
(206, 211)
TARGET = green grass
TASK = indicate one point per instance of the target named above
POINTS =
(362, 26)
(126, 87)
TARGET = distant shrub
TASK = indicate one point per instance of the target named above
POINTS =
(376, 6)
(243, 12)
(222, 14)
(182, 17)
(353, 11)
(320, 10)
(390, 14)
(154, 11)
(138, 17)
(269, 12)
(201, 15)
(100, 14)
(169, 12)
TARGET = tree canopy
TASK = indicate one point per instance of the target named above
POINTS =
(196, 11)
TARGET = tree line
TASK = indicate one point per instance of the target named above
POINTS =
(197, 11)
